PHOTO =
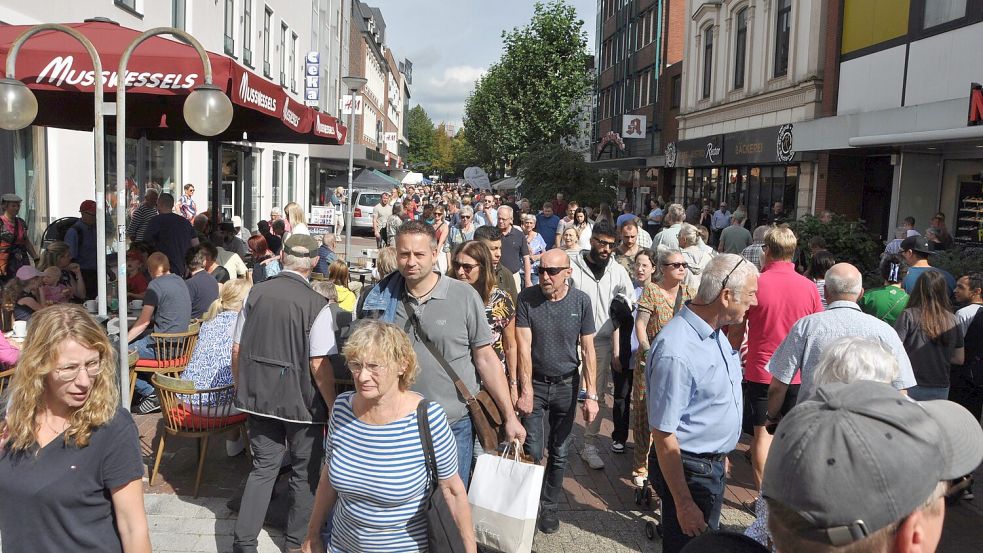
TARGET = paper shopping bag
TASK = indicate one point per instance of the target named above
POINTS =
(504, 497)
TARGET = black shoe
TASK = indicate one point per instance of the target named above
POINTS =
(150, 404)
(548, 523)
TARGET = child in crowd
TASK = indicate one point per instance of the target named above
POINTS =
(52, 291)
(136, 275)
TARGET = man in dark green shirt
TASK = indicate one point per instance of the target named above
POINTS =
(492, 237)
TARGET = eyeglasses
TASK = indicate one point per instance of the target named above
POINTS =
(605, 243)
(68, 374)
(727, 278)
(373, 369)
(957, 486)
(465, 216)
(468, 267)
(678, 265)
(552, 271)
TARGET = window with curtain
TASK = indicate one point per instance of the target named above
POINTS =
(783, 33)
(291, 177)
(707, 61)
(283, 54)
(291, 61)
(740, 49)
(230, 16)
(277, 179)
(938, 12)
(267, 29)
(247, 32)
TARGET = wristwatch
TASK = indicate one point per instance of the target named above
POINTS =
(592, 397)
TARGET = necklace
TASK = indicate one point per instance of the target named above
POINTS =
(44, 420)
(418, 298)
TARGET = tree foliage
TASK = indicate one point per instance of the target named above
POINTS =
(551, 168)
(443, 148)
(420, 133)
(529, 97)
(850, 241)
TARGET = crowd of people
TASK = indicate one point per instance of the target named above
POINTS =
(699, 329)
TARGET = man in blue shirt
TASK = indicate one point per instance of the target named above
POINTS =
(915, 251)
(546, 224)
(696, 420)
(719, 221)
(81, 240)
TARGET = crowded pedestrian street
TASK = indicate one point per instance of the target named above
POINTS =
(527, 276)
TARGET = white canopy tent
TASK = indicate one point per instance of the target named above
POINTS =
(508, 183)
(413, 179)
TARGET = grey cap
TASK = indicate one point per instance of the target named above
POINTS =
(10, 198)
(301, 245)
(857, 457)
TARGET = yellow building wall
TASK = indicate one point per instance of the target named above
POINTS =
(870, 22)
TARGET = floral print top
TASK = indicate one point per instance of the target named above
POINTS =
(500, 311)
(211, 362)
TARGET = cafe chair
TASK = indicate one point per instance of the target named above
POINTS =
(172, 354)
(6, 373)
(192, 413)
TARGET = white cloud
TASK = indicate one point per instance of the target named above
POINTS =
(443, 96)
(459, 75)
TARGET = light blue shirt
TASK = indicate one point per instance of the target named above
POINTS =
(720, 220)
(694, 385)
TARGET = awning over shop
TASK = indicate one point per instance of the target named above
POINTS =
(160, 74)
(365, 178)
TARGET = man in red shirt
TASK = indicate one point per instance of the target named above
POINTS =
(784, 297)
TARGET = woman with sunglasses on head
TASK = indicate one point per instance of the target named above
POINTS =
(463, 231)
(537, 246)
(70, 465)
(660, 302)
(471, 262)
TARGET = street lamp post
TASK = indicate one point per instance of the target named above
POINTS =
(354, 85)
(208, 111)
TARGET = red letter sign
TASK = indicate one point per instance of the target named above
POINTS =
(975, 104)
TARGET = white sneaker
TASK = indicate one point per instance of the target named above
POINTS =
(590, 456)
(235, 447)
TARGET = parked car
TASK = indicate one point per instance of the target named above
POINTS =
(365, 202)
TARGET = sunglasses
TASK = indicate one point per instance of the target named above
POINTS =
(468, 267)
(678, 265)
(552, 271)
(465, 216)
(605, 242)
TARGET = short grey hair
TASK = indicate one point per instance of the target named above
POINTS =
(675, 214)
(689, 234)
(851, 359)
(739, 216)
(662, 255)
(467, 210)
(505, 210)
(760, 232)
(712, 278)
(837, 286)
(528, 217)
(901, 233)
(298, 264)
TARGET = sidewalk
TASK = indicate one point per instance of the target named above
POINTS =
(598, 512)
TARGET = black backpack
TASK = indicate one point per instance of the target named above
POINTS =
(974, 349)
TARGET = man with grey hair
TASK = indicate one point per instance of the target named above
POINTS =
(809, 337)
(669, 236)
(755, 251)
(696, 417)
(515, 249)
(735, 238)
(283, 335)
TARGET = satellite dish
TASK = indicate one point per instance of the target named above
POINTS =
(477, 177)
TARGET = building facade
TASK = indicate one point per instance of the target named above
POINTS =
(276, 39)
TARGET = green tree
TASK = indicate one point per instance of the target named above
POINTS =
(419, 133)
(443, 148)
(529, 97)
(464, 153)
(551, 168)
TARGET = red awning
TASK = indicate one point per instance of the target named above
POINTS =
(159, 74)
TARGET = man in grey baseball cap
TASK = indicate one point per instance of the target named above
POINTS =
(860, 466)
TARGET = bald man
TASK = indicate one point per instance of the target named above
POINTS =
(808, 338)
(515, 249)
(551, 320)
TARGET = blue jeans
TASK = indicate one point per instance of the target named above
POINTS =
(145, 349)
(559, 400)
(928, 393)
(705, 479)
(464, 437)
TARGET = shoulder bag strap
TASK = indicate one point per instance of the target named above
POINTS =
(679, 300)
(423, 425)
(415, 321)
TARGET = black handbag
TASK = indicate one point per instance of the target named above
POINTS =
(443, 535)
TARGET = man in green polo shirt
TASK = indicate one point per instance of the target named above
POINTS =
(887, 302)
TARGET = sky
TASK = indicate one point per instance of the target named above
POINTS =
(452, 42)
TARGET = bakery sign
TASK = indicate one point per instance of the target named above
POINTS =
(975, 104)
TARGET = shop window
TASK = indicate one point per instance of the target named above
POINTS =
(24, 176)
(277, 179)
(149, 163)
(707, 61)
(676, 95)
(291, 177)
(938, 12)
(230, 15)
(783, 32)
(740, 49)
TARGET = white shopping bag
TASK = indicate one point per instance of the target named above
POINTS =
(504, 497)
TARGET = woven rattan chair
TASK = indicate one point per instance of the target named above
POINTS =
(192, 413)
(172, 354)
(6, 373)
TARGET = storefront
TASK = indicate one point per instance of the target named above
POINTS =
(25, 150)
(754, 169)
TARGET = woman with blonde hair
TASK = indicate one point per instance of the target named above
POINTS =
(338, 274)
(58, 255)
(63, 411)
(295, 216)
(378, 501)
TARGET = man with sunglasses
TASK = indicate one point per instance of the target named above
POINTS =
(696, 415)
(596, 273)
(551, 320)
(858, 467)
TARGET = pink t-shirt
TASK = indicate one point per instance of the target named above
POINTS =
(784, 297)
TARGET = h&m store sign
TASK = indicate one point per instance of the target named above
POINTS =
(975, 104)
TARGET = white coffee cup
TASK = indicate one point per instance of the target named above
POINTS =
(91, 306)
(136, 304)
(20, 329)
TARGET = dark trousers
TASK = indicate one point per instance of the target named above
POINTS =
(91, 281)
(554, 404)
(705, 479)
(964, 391)
(622, 401)
(269, 439)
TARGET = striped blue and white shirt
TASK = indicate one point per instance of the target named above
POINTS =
(380, 474)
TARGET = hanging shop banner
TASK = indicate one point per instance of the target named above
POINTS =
(975, 104)
(769, 145)
(312, 78)
(706, 151)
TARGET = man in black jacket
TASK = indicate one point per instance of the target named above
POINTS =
(284, 333)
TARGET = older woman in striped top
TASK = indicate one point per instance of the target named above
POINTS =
(375, 475)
